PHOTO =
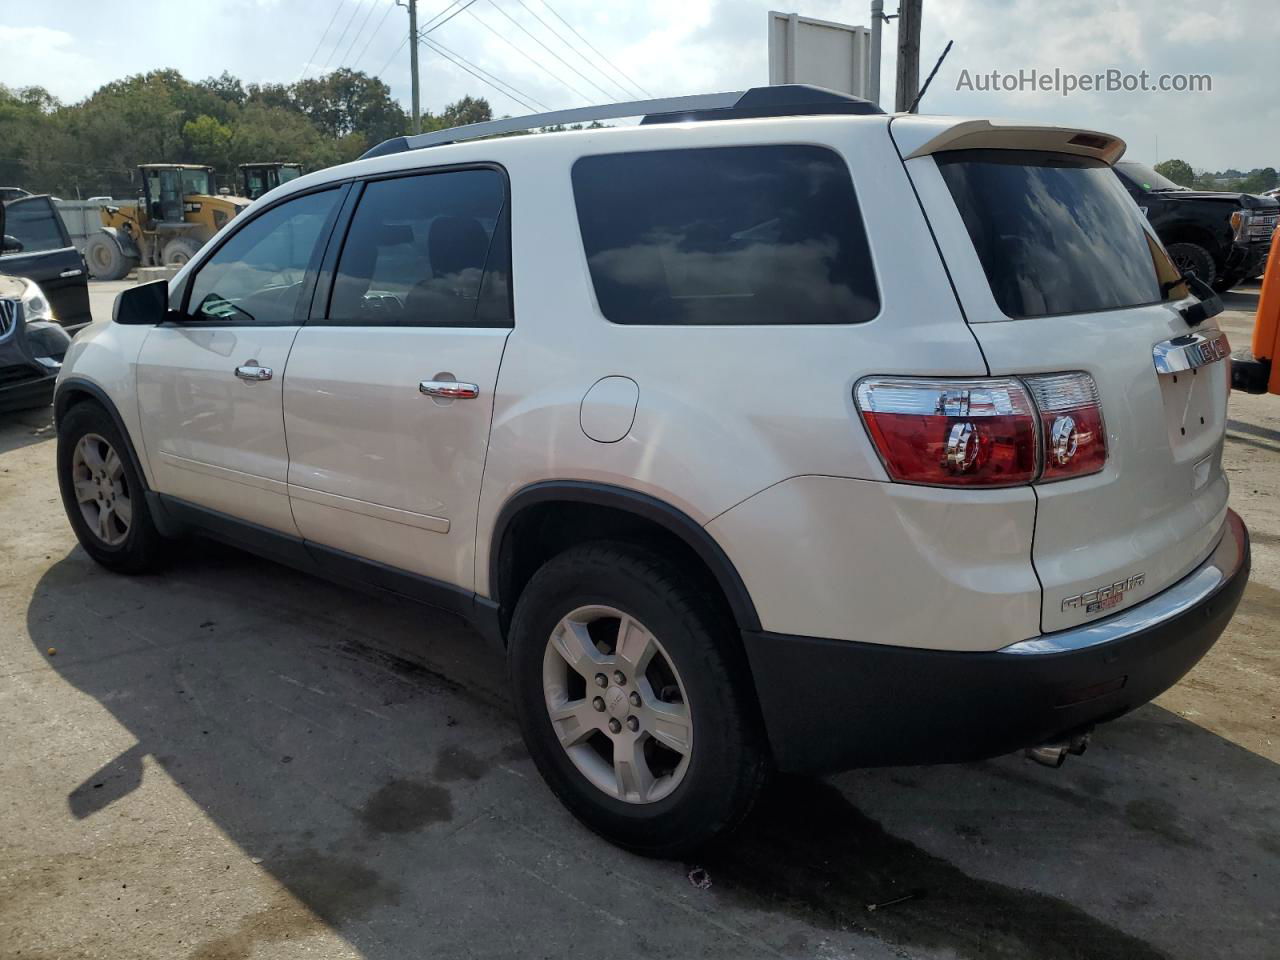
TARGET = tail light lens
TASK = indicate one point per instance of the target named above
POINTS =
(1075, 440)
(984, 432)
(966, 433)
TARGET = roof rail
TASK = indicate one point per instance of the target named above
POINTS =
(783, 100)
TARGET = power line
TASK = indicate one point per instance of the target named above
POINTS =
(394, 54)
(626, 94)
(430, 29)
(359, 33)
(341, 37)
(487, 73)
(537, 63)
(311, 59)
(363, 49)
(626, 76)
(605, 92)
(438, 49)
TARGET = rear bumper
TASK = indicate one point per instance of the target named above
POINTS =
(831, 704)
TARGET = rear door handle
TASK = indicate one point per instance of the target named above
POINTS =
(449, 389)
(250, 370)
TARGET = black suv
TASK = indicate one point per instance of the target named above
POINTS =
(1221, 237)
(36, 245)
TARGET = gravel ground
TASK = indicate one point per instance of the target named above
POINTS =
(232, 760)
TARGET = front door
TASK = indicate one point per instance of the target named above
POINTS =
(47, 257)
(210, 383)
(389, 392)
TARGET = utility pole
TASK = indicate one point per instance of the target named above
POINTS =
(908, 83)
(413, 59)
(873, 67)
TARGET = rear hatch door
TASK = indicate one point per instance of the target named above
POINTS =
(1056, 270)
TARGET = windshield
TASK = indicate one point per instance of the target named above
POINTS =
(1055, 233)
(197, 181)
(1146, 178)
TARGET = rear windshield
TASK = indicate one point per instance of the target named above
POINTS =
(1055, 233)
(725, 235)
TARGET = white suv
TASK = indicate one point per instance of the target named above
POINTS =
(774, 433)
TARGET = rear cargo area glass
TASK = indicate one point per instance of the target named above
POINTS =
(1056, 233)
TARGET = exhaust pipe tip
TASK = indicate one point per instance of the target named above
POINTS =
(1049, 754)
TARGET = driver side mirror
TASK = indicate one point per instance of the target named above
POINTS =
(147, 304)
(11, 244)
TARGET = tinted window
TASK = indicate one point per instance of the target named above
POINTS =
(258, 274)
(426, 250)
(35, 223)
(728, 235)
(1055, 233)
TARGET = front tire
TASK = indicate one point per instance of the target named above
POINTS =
(1193, 258)
(666, 754)
(102, 493)
(105, 258)
(178, 251)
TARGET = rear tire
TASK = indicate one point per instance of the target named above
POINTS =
(105, 259)
(102, 493)
(634, 788)
(178, 251)
(1193, 258)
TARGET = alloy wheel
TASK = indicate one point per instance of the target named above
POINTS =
(617, 704)
(101, 489)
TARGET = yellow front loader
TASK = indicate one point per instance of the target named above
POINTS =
(177, 211)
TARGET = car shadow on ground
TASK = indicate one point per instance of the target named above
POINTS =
(315, 728)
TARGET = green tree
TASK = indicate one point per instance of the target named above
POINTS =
(1179, 171)
(347, 101)
(209, 138)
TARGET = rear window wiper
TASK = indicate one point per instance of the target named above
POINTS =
(1208, 304)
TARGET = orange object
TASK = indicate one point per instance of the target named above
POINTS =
(1266, 328)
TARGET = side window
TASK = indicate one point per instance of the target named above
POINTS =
(725, 235)
(34, 222)
(427, 250)
(258, 274)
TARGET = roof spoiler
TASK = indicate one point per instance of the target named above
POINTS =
(783, 100)
(921, 136)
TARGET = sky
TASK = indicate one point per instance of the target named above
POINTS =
(673, 47)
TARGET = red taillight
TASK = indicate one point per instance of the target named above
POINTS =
(970, 433)
(985, 433)
(1075, 440)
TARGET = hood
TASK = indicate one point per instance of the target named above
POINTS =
(12, 288)
(1246, 200)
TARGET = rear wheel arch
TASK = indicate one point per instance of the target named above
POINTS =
(545, 519)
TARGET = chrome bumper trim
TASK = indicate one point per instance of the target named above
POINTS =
(1199, 585)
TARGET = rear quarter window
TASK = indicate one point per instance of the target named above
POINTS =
(725, 235)
(1055, 233)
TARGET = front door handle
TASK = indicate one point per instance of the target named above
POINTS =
(449, 389)
(250, 370)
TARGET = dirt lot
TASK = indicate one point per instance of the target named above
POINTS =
(232, 760)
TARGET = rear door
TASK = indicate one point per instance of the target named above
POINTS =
(1057, 271)
(385, 457)
(47, 257)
